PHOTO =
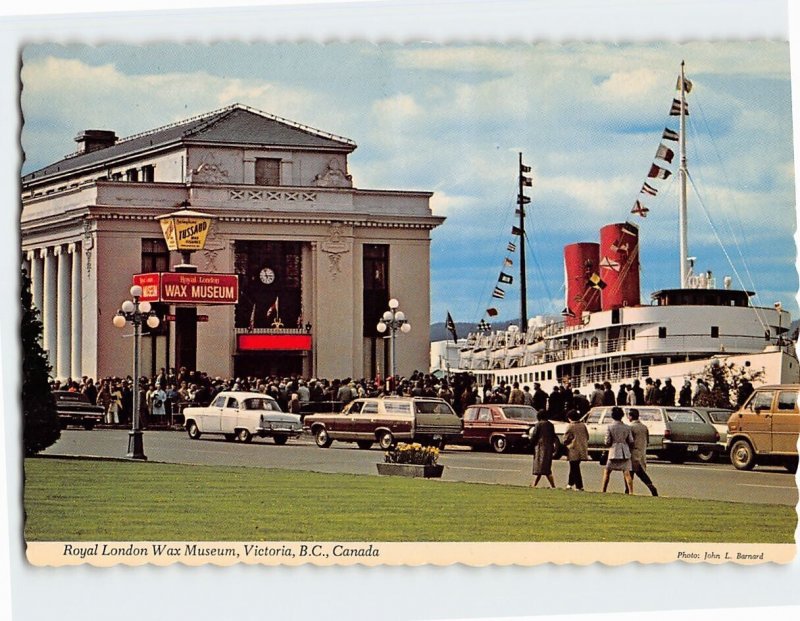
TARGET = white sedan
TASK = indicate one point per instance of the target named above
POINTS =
(242, 415)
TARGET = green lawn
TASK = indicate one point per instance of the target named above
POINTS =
(82, 500)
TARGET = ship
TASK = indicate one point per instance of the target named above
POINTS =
(606, 334)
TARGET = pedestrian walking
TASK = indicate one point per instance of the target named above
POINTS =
(641, 438)
(545, 445)
(619, 441)
(576, 441)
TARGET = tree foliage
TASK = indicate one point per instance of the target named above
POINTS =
(729, 384)
(40, 425)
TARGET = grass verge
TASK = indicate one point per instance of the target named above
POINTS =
(81, 500)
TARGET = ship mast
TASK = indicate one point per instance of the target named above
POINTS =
(522, 200)
(683, 174)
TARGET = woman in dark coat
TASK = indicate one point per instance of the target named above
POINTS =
(545, 445)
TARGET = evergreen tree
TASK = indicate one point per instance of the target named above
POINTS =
(40, 425)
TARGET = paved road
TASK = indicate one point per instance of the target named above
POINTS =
(690, 480)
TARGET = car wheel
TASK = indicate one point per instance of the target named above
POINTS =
(230, 437)
(193, 430)
(742, 455)
(243, 435)
(386, 441)
(499, 444)
(322, 438)
(603, 459)
(364, 445)
(791, 464)
(280, 439)
(707, 456)
(88, 425)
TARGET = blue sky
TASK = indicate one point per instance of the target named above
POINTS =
(452, 119)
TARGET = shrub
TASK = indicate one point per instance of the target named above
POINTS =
(412, 454)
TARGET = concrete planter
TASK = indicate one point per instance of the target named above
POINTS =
(411, 470)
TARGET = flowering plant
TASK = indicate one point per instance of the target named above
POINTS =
(412, 454)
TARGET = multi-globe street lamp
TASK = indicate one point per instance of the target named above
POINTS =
(394, 320)
(136, 313)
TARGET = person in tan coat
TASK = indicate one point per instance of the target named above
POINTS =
(641, 438)
(576, 440)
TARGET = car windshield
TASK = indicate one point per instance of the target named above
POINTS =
(260, 404)
(432, 407)
(71, 396)
(520, 413)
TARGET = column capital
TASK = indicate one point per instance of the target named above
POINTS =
(30, 255)
(73, 248)
(43, 252)
(58, 250)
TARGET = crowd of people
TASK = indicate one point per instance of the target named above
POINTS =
(167, 393)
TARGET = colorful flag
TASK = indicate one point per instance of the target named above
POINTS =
(670, 135)
(675, 110)
(526, 181)
(609, 264)
(648, 189)
(665, 153)
(519, 212)
(484, 327)
(524, 169)
(515, 230)
(512, 247)
(492, 312)
(656, 172)
(273, 310)
(451, 327)
(567, 312)
(640, 209)
(498, 293)
(596, 282)
(505, 278)
(522, 199)
(507, 262)
(687, 85)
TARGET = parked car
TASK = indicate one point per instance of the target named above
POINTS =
(718, 417)
(74, 408)
(765, 429)
(502, 426)
(675, 432)
(386, 420)
(239, 416)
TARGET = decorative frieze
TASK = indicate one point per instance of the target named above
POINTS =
(294, 196)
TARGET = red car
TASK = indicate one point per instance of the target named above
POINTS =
(500, 425)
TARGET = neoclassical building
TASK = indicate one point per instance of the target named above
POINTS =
(315, 257)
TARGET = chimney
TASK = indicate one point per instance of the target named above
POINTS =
(95, 139)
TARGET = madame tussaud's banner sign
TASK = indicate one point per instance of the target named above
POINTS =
(188, 288)
(185, 232)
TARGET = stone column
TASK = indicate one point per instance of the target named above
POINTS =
(35, 259)
(63, 317)
(49, 306)
(77, 311)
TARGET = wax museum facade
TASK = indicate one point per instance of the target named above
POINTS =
(317, 259)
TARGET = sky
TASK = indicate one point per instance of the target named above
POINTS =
(453, 118)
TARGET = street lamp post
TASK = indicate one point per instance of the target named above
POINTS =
(136, 313)
(394, 320)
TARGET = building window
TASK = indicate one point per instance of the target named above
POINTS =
(714, 332)
(131, 175)
(155, 255)
(148, 174)
(268, 171)
(376, 286)
(270, 275)
(662, 332)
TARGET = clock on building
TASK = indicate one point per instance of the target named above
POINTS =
(267, 276)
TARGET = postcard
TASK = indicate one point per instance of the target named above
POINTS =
(354, 303)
